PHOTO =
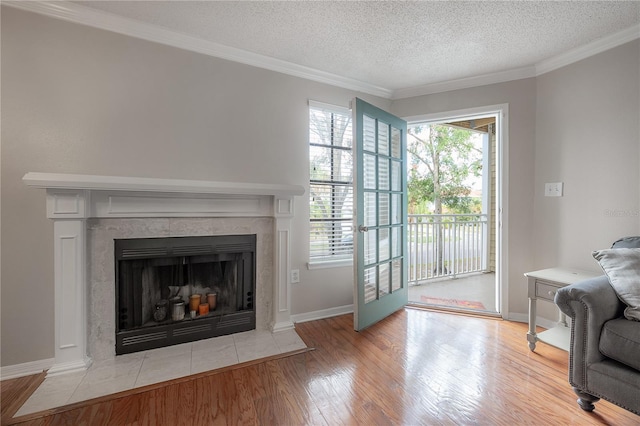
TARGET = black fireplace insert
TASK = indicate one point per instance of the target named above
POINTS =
(181, 289)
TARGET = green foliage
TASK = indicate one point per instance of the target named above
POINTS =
(441, 159)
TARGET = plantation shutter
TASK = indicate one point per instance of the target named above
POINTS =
(330, 183)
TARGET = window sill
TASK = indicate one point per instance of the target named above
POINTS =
(330, 264)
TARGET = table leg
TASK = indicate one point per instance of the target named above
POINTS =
(531, 335)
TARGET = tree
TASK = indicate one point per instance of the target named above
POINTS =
(442, 158)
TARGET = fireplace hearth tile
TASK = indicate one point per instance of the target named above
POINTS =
(221, 343)
(168, 352)
(91, 390)
(255, 344)
(211, 354)
(126, 372)
(53, 392)
(113, 369)
(288, 341)
(162, 367)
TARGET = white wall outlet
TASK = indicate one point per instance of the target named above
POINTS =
(553, 189)
(295, 276)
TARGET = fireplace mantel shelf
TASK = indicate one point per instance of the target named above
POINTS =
(138, 184)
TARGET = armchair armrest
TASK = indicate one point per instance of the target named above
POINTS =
(589, 303)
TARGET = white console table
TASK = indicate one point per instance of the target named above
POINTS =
(543, 285)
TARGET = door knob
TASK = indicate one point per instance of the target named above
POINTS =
(363, 228)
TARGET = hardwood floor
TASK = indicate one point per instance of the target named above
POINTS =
(416, 367)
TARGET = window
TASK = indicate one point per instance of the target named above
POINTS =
(330, 183)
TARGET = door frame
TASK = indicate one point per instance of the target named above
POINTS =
(501, 112)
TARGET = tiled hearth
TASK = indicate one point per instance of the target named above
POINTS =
(126, 372)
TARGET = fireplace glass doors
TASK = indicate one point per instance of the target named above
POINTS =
(182, 289)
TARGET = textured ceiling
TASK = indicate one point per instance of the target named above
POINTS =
(389, 44)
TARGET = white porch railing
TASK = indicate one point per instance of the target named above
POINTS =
(447, 245)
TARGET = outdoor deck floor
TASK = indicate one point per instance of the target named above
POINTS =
(456, 292)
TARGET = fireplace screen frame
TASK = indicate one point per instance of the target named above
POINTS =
(219, 248)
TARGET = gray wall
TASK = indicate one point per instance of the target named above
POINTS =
(588, 136)
(82, 100)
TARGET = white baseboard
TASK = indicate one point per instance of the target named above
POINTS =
(542, 322)
(516, 317)
(348, 309)
(323, 313)
(26, 369)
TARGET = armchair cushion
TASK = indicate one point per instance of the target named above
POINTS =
(622, 267)
(620, 340)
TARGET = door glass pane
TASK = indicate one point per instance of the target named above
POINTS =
(396, 275)
(370, 284)
(369, 171)
(384, 244)
(396, 179)
(370, 209)
(383, 138)
(396, 143)
(383, 174)
(383, 285)
(396, 241)
(383, 213)
(370, 246)
(369, 134)
(396, 213)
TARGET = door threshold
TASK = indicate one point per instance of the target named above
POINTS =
(452, 310)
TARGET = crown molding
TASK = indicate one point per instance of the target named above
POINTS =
(94, 18)
(587, 50)
(78, 14)
(542, 67)
(464, 83)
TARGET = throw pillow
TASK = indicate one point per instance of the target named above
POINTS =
(622, 267)
(627, 242)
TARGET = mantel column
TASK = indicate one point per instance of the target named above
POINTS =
(69, 211)
(283, 212)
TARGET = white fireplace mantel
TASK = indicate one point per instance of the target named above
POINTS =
(73, 198)
(120, 183)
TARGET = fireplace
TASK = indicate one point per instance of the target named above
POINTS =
(90, 212)
(181, 289)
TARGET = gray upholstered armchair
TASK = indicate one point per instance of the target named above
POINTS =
(604, 355)
(598, 337)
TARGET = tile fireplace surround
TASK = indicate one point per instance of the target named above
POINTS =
(89, 212)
